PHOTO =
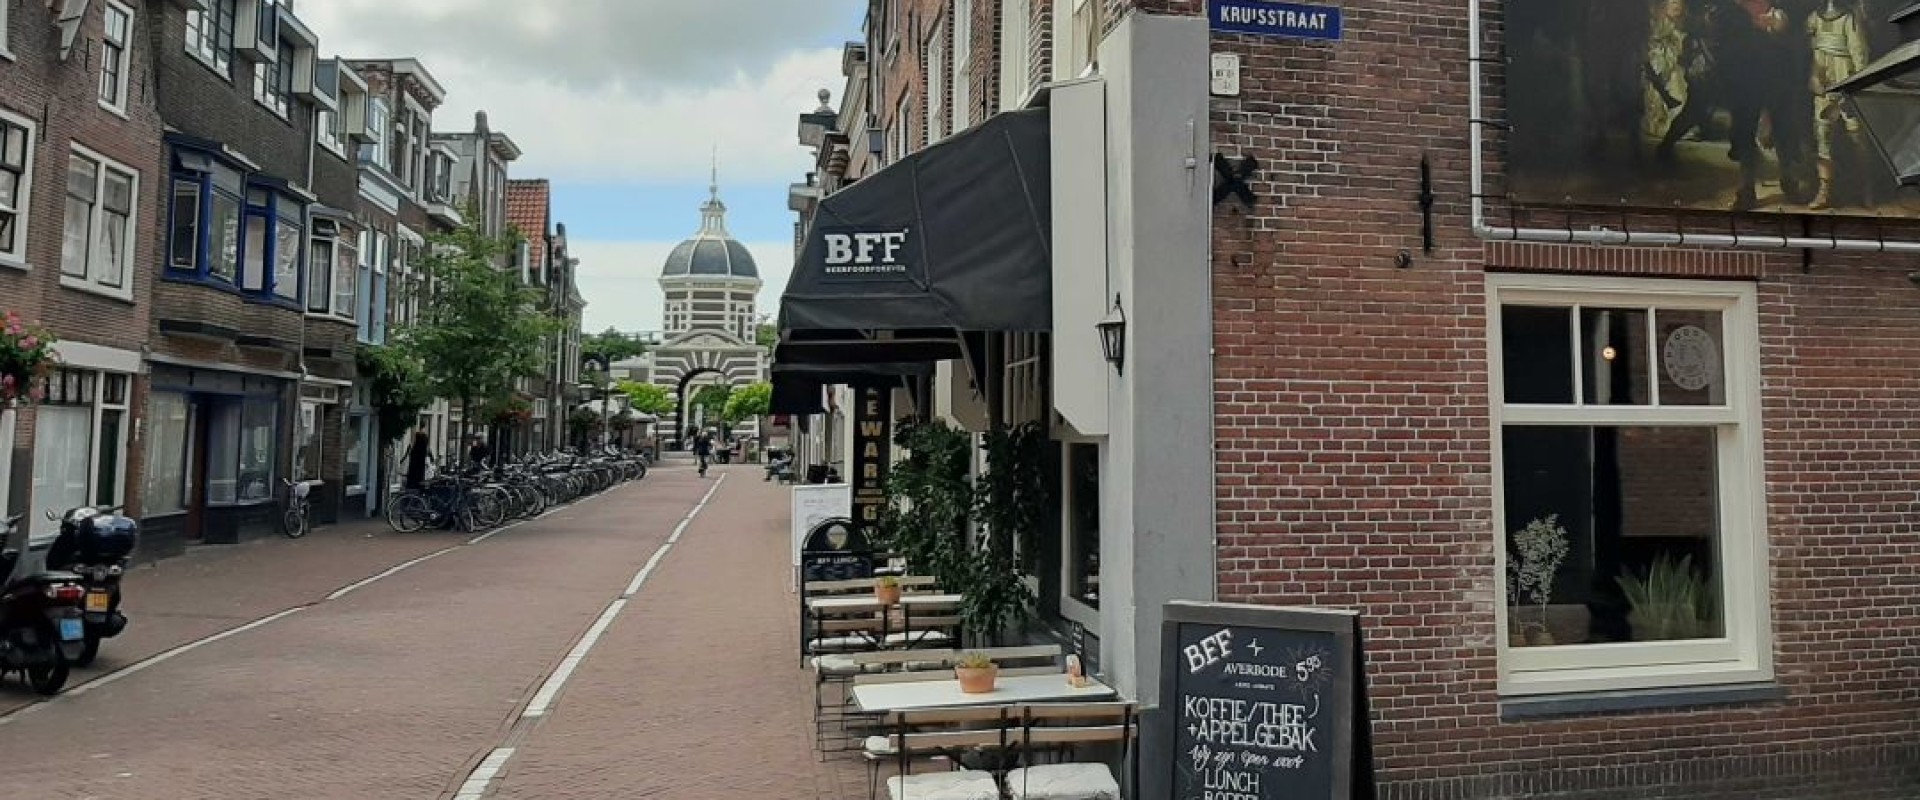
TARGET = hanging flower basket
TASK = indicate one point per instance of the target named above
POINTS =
(26, 356)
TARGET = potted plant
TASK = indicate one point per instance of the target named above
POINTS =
(887, 588)
(977, 673)
(26, 356)
(1537, 552)
(1669, 601)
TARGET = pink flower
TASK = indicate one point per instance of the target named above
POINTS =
(29, 343)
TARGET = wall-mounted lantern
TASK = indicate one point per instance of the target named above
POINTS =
(1113, 336)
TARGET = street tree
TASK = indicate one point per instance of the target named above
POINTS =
(647, 397)
(712, 399)
(611, 346)
(483, 329)
(752, 400)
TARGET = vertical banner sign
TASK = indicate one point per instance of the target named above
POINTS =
(871, 443)
(1264, 703)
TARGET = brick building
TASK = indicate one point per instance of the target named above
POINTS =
(1488, 279)
(546, 264)
(79, 148)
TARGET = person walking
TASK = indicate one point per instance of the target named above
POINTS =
(702, 450)
(418, 454)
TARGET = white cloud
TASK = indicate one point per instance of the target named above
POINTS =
(618, 90)
(621, 280)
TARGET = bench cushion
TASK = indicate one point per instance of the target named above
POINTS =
(839, 643)
(1063, 782)
(916, 637)
(955, 785)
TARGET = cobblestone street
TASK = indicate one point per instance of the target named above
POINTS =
(403, 687)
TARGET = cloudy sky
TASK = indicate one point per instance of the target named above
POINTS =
(620, 103)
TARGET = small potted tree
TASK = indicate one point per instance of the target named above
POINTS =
(887, 589)
(977, 673)
(1538, 550)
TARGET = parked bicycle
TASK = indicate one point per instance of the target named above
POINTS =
(476, 497)
(296, 516)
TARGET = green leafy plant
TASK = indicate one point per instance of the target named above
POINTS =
(399, 388)
(974, 660)
(746, 402)
(713, 399)
(1670, 600)
(886, 582)
(929, 501)
(1534, 561)
(26, 356)
(611, 346)
(1010, 506)
(646, 398)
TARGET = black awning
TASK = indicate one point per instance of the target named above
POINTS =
(797, 387)
(956, 237)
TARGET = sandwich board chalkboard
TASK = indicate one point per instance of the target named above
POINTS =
(1264, 703)
(835, 550)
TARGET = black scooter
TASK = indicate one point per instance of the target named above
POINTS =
(96, 544)
(42, 631)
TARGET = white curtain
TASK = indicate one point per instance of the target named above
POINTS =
(62, 453)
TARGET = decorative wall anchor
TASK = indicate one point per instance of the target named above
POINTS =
(1231, 178)
(1426, 206)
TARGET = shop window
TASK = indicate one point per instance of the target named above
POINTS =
(1082, 528)
(79, 445)
(169, 450)
(240, 451)
(354, 449)
(308, 446)
(97, 248)
(1634, 542)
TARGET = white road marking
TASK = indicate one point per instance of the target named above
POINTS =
(483, 774)
(343, 591)
(543, 699)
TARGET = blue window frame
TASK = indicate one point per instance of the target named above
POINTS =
(228, 231)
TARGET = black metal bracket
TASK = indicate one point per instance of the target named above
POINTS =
(1230, 179)
(1426, 205)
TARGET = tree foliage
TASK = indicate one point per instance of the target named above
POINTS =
(399, 386)
(647, 397)
(611, 345)
(765, 334)
(483, 328)
(752, 400)
(712, 398)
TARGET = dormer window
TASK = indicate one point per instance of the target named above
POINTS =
(273, 81)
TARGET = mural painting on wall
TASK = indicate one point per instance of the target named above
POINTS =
(1696, 104)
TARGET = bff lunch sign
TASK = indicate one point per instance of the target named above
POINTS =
(1264, 703)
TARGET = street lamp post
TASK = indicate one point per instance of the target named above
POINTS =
(599, 379)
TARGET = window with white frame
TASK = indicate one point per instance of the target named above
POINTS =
(1016, 60)
(936, 67)
(328, 126)
(170, 428)
(3, 29)
(273, 81)
(210, 34)
(330, 270)
(1076, 45)
(1080, 527)
(897, 147)
(1630, 493)
(962, 80)
(374, 150)
(80, 444)
(116, 46)
(375, 251)
(16, 183)
(97, 249)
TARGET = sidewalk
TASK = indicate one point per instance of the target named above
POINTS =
(696, 690)
(212, 588)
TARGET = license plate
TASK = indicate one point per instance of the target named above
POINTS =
(71, 630)
(99, 601)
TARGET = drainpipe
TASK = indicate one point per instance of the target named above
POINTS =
(1481, 228)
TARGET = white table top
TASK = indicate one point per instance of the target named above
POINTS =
(913, 695)
(867, 602)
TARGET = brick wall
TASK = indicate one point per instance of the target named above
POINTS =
(199, 101)
(61, 97)
(1354, 439)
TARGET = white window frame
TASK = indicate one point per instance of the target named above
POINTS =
(961, 80)
(97, 408)
(269, 77)
(203, 42)
(342, 240)
(1073, 42)
(91, 281)
(114, 98)
(1744, 654)
(1016, 59)
(1071, 606)
(23, 193)
(935, 65)
(327, 126)
(5, 53)
(379, 116)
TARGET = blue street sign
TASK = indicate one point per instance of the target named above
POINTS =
(1275, 19)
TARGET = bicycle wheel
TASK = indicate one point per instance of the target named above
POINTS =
(293, 522)
(407, 513)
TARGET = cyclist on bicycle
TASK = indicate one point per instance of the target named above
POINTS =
(703, 449)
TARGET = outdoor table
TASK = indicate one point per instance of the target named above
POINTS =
(880, 698)
(844, 605)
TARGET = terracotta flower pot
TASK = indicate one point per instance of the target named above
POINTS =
(976, 680)
(889, 595)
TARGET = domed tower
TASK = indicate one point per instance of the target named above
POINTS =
(710, 280)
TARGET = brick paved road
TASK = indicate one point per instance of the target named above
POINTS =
(392, 691)
(401, 687)
(696, 690)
